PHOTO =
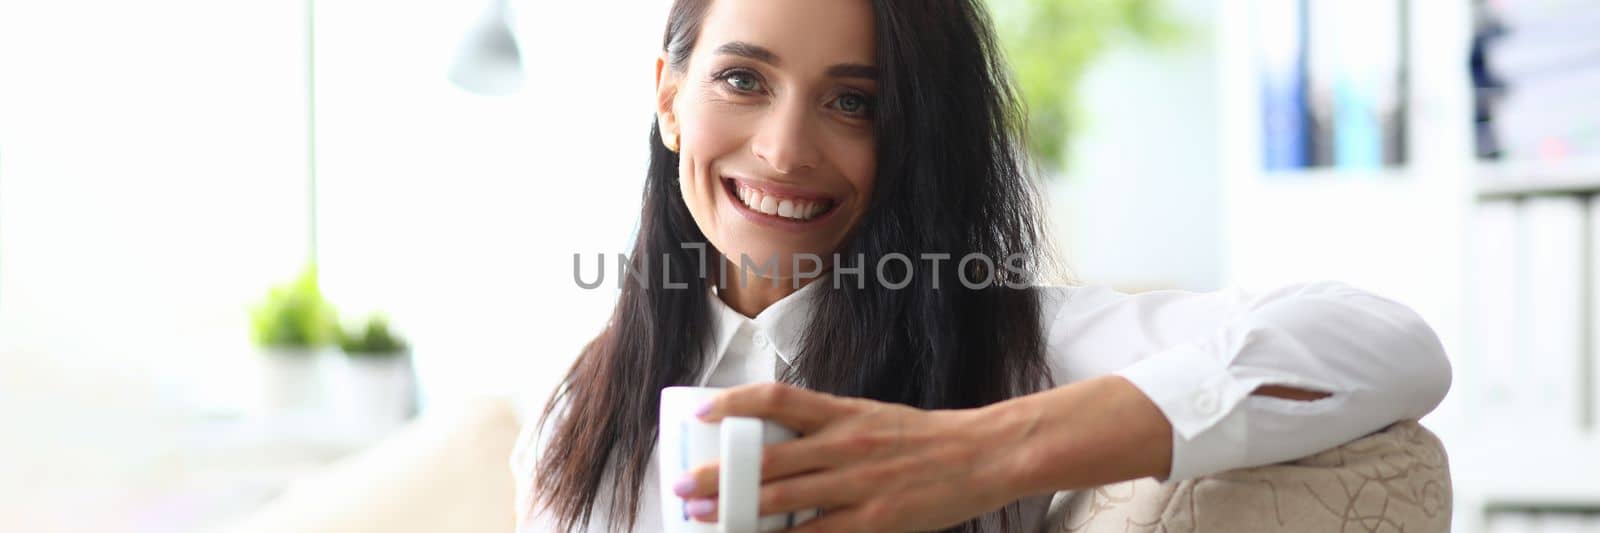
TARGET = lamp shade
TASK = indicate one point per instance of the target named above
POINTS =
(488, 61)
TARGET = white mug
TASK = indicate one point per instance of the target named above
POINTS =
(686, 442)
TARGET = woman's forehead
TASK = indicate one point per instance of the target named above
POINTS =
(793, 34)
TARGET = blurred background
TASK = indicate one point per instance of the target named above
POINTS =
(269, 263)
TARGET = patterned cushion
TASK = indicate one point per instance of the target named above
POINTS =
(1394, 480)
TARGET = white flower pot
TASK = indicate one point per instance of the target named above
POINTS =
(371, 396)
(288, 381)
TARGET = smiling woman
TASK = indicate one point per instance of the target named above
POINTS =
(872, 129)
(849, 112)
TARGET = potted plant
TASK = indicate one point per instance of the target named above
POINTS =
(373, 385)
(1051, 44)
(290, 328)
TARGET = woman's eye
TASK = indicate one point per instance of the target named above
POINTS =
(742, 81)
(854, 104)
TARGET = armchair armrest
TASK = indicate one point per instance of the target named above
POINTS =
(1393, 480)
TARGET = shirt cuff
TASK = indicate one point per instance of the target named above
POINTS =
(1201, 399)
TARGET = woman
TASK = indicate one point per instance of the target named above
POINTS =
(933, 392)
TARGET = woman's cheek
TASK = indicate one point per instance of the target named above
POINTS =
(721, 130)
(701, 204)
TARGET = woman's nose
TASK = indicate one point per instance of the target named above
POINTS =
(786, 140)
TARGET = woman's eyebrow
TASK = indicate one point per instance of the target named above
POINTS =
(758, 53)
(744, 49)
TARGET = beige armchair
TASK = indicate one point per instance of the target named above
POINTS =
(1395, 480)
(449, 472)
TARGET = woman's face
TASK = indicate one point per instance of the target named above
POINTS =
(774, 119)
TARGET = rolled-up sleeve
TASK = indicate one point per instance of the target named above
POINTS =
(1199, 355)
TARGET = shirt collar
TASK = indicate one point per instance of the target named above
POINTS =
(783, 322)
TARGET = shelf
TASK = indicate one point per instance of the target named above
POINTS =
(1517, 179)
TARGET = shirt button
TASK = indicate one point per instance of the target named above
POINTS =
(761, 341)
(1205, 402)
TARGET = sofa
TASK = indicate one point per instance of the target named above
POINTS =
(448, 472)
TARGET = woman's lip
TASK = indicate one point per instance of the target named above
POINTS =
(774, 221)
(786, 191)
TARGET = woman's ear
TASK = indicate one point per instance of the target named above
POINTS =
(666, 93)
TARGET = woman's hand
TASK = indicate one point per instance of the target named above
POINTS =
(871, 466)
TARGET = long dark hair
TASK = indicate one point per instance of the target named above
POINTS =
(951, 178)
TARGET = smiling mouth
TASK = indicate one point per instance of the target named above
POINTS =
(778, 204)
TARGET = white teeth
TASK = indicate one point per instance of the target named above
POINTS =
(788, 208)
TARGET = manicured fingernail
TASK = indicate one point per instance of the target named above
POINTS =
(684, 486)
(698, 507)
(703, 409)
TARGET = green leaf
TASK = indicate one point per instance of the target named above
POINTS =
(373, 339)
(294, 315)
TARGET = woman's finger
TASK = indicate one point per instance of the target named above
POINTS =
(702, 509)
(819, 452)
(786, 460)
(820, 490)
(827, 490)
(798, 409)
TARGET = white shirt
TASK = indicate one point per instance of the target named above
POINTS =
(1197, 355)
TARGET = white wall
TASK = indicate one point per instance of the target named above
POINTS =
(152, 176)
(459, 213)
